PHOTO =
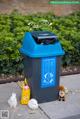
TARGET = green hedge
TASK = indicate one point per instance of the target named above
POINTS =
(13, 27)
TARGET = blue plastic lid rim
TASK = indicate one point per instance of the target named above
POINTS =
(26, 53)
(32, 49)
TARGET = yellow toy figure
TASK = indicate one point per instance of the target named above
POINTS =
(25, 96)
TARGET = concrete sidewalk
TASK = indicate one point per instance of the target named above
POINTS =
(70, 109)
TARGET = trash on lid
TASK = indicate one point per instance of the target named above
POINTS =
(41, 44)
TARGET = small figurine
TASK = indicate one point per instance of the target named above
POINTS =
(12, 101)
(61, 93)
(33, 104)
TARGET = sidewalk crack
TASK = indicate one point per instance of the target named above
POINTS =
(44, 113)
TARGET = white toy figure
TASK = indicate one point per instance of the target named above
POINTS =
(12, 101)
(33, 104)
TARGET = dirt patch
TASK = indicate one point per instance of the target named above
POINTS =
(70, 70)
(64, 71)
(10, 78)
(33, 6)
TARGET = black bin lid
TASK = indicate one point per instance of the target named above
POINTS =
(43, 35)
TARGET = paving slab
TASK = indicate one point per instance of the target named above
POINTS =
(71, 81)
(70, 109)
(21, 111)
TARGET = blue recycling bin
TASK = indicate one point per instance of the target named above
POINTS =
(42, 52)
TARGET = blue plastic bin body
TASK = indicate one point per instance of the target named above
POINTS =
(42, 64)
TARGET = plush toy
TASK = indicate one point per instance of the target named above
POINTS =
(33, 104)
(12, 101)
(61, 93)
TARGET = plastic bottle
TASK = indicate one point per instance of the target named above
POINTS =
(25, 96)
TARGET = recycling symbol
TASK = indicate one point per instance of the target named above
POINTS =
(48, 78)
